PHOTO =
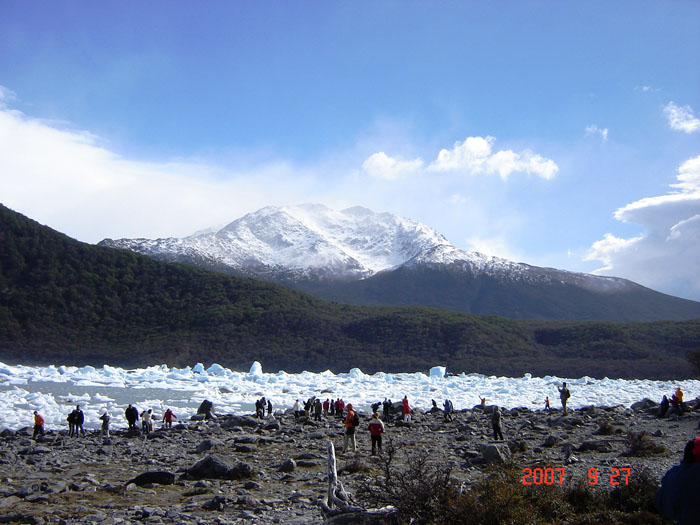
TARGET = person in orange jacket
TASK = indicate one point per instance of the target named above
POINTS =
(351, 422)
(38, 424)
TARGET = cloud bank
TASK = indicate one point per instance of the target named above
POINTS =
(667, 255)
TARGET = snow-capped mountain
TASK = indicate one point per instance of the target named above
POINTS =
(299, 242)
(312, 241)
(362, 257)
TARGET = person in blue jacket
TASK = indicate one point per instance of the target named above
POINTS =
(677, 498)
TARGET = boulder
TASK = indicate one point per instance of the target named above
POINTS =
(288, 466)
(153, 478)
(495, 453)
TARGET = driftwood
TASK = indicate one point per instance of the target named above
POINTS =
(344, 511)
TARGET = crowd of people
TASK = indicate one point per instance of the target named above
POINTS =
(314, 408)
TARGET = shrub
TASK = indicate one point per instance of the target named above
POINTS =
(641, 444)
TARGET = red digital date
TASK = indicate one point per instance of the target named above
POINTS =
(550, 476)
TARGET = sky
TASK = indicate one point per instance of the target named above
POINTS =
(558, 133)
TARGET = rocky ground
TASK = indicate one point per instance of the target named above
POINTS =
(238, 469)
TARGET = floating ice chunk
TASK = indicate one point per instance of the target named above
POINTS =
(198, 368)
(356, 373)
(255, 369)
(216, 369)
(438, 371)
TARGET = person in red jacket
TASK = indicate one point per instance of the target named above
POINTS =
(376, 429)
(38, 424)
(406, 410)
(168, 418)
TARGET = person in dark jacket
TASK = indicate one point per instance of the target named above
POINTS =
(132, 415)
(496, 423)
(79, 420)
(677, 498)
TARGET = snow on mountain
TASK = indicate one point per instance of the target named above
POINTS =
(311, 241)
(353, 243)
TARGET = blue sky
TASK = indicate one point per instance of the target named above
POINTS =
(562, 134)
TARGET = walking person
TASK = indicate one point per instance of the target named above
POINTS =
(38, 424)
(496, 423)
(168, 419)
(71, 423)
(376, 429)
(297, 409)
(79, 420)
(104, 431)
(564, 395)
(352, 420)
(449, 408)
(318, 409)
(546, 404)
(132, 415)
(406, 410)
(147, 421)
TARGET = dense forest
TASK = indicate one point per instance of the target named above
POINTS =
(66, 302)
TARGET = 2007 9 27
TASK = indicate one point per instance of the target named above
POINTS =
(555, 475)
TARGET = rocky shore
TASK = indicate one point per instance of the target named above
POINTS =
(239, 469)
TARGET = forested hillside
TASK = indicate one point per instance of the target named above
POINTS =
(66, 302)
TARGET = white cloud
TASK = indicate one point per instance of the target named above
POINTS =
(6, 95)
(666, 256)
(474, 156)
(595, 130)
(67, 180)
(381, 166)
(681, 118)
(494, 246)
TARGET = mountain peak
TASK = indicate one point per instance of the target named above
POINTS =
(301, 241)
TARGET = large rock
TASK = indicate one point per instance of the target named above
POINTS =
(153, 478)
(213, 466)
(495, 453)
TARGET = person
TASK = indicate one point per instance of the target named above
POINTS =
(318, 410)
(350, 423)
(326, 407)
(38, 424)
(483, 402)
(546, 404)
(677, 498)
(679, 394)
(79, 420)
(376, 429)
(259, 408)
(206, 408)
(104, 431)
(449, 408)
(297, 409)
(564, 395)
(434, 408)
(147, 421)
(676, 409)
(168, 418)
(71, 423)
(339, 407)
(386, 409)
(131, 414)
(496, 423)
(406, 410)
(663, 407)
(269, 408)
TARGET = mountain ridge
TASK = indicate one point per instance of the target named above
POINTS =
(67, 302)
(354, 255)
